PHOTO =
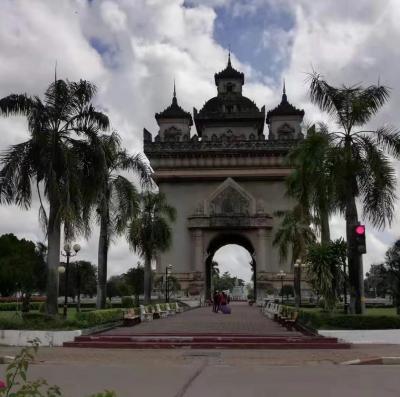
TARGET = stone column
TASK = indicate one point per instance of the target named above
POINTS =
(261, 253)
(198, 265)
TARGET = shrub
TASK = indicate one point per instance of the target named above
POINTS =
(97, 317)
(14, 306)
(127, 301)
(342, 321)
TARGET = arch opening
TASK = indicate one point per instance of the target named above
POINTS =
(234, 253)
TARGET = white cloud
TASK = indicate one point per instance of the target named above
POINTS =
(144, 44)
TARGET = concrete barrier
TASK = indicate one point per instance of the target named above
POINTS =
(379, 336)
(47, 338)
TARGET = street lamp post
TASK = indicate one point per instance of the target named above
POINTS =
(167, 272)
(297, 284)
(68, 254)
(281, 275)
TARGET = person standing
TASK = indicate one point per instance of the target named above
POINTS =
(215, 301)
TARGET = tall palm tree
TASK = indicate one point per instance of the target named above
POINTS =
(117, 201)
(60, 157)
(361, 166)
(294, 234)
(311, 181)
(150, 232)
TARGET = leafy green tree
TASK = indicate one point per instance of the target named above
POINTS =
(360, 163)
(392, 264)
(226, 282)
(134, 278)
(325, 264)
(116, 286)
(378, 280)
(22, 268)
(311, 181)
(150, 232)
(294, 234)
(287, 290)
(61, 159)
(117, 202)
(173, 285)
(82, 279)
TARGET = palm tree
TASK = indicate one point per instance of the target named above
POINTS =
(61, 158)
(311, 181)
(361, 167)
(117, 202)
(150, 232)
(325, 264)
(294, 234)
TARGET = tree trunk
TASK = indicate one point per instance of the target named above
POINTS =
(325, 230)
(53, 260)
(147, 280)
(26, 300)
(102, 261)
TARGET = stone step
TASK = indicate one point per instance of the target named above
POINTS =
(206, 345)
(204, 338)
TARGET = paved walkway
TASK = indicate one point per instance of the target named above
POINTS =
(244, 320)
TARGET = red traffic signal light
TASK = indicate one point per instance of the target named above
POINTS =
(360, 230)
(359, 238)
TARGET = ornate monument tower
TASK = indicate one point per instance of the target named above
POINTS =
(226, 181)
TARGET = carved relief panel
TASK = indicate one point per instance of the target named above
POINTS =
(229, 202)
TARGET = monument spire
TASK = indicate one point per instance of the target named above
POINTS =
(174, 100)
(284, 97)
(229, 56)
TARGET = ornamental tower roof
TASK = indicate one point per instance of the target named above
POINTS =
(229, 73)
(174, 111)
(284, 108)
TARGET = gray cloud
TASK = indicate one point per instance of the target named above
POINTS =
(134, 49)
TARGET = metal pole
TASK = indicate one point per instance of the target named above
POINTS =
(66, 287)
(345, 288)
(300, 286)
(166, 285)
(282, 289)
(78, 303)
(167, 288)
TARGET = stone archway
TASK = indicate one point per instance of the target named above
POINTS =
(219, 241)
(229, 215)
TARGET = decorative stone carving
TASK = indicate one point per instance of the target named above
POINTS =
(229, 202)
(199, 210)
(286, 131)
(260, 207)
(172, 134)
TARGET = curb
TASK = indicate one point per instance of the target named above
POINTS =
(374, 361)
(6, 359)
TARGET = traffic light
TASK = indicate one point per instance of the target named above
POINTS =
(359, 237)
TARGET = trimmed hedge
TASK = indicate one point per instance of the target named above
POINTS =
(14, 306)
(346, 321)
(97, 317)
(37, 321)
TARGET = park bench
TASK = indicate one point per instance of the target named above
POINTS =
(169, 309)
(178, 309)
(277, 311)
(160, 312)
(291, 322)
(131, 318)
(145, 315)
(266, 309)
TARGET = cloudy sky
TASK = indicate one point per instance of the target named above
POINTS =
(133, 50)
